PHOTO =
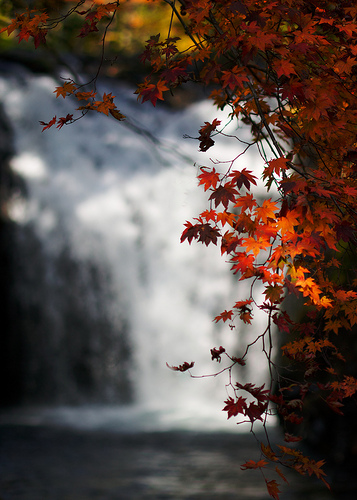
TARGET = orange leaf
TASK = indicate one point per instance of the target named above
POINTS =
(251, 464)
(152, 92)
(67, 88)
(209, 178)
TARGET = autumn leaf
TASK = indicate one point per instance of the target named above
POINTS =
(243, 177)
(235, 407)
(273, 489)
(152, 92)
(64, 120)
(204, 233)
(223, 194)
(251, 464)
(105, 105)
(67, 88)
(245, 202)
(266, 211)
(205, 131)
(224, 316)
(49, 124)
(284, 67)
(117, 115)
(275, 166)
(209, 178)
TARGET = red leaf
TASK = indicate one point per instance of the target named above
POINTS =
(49, 124)
(243, 177)
(226, 315)
(255, 411)
(223, 194)
(63, 120)
(273, 490)
(152, 92)
(202, 232)
(40, 37)
(216, 353)
(235, 407)
(205, 134)
(208, 178)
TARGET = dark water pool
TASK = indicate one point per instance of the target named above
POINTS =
(40, 463)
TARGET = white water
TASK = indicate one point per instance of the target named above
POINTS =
(119, 200)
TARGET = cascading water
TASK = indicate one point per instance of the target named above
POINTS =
(105, 292)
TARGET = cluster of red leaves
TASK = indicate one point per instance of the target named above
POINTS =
(288, 70)
(29, 24)
(89, 101)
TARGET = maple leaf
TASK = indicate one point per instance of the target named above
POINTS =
(281, 474)
(246, 202)
(275, 166)
(174, 74)
(226, 217)
(234, 78)
(66, 89)
(268, 452)
(39, 37)
(255, 411)
(209, 178)
(229, 242)
(273, 489)
(24, 34)
(243, 262)
(283, 67)
(261, 394)
(282, 321)
(223, 194)
(152, 92)
(274, 293)
(105, 105)
(49, 124)
(235, 407)
(209, 215)
(224, 316)
(243, 177)
(251, 464)
(202, 232)
(288, 222)
(63, 120)
(266, 211)
(117, 115)
(85, 96)
(88, 27)
(205, 131)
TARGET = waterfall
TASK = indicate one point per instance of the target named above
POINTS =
(105, 294)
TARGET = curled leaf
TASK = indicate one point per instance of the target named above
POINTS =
(181, 368)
